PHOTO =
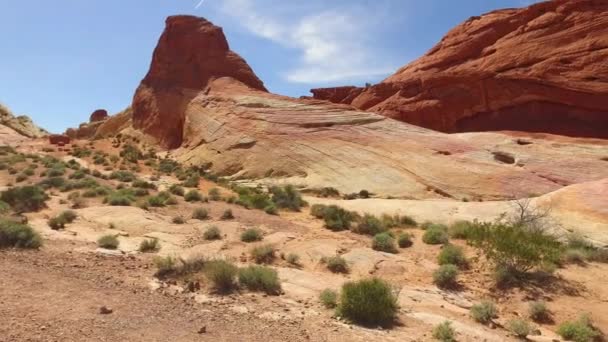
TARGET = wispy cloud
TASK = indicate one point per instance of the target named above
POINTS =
(200, 3)
(334, 43)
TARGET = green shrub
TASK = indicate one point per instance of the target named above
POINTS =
(200, 214)
(56, 223)
(538, 311)
(444, 332)
(405, 240)
(192, 181)
(251, 235)
(122, 197)
(263, 254)
(25, 199)
(513, 248)
(13, 234)
(156, 201)
(368, 302)
(484, 312)
(193, 196)
(318, 210)
(143, 184)
(165, 265)
(212, 233)
(451, 254)
(68, 216)
(337, 219)
(329, 298)
(178, 220)
(460, 229)
(293, 259)
(271, 209)
(519, 327)
(108, 242)
(149, 245)
(260, 278)
(428, 225)
(435, 236)
(177, 190)
(214, 194)
(4, 207)
(287, 197)
(123, 176)
(222, 274)
(369, 225)
(20, 178)
(384, 242)
(580, 330)
(336, 264)
(446, 275)
(227, 215)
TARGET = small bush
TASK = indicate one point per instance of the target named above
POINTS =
(580, 330)
(68, 216)
(193, 196)
(337, 219)
(221, 273)
(384, 242)
(405, 240)
(200, 214)
(293, 259)
(445, 275)
(260, 278)
(252, 235)
(538, 311)
(263, 254)
(25, 199)
(192, 181)
(329, 298)
(108, 242)
(271, 210)
(214, 194)
(287, 198)
(165, 265)
(149, 245)
(337, 264)
(177, 190)
(227, 215)
(56, 223)
(178, 220)
(435, 236)
(484, 312)
(460, 230)
(318, 210)
(123, 176)
(519, 327)
(444, 332)
(212, 233)
(368, 302)
(369, 225)
(451, 254)
(13, 234)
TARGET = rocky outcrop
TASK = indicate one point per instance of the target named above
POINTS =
(541, 69)
(190, 54)
(59, 139)
(98, 115)
(23, 125)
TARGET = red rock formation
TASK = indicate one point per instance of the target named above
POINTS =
(191, 52)
(541, 68)
(59, 139)
(98, 115)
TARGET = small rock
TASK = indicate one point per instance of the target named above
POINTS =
(202, 330)
(104, 310)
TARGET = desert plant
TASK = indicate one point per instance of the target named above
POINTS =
(384, 242)
(193, 196)
(165, 265)
(212, 233)
(519, 327)
(68, 216)
(177, 190)
(56, 223)
(227, 215)
(538, 311)
(260, 278)
(149, 245)
(25, 199)
(287, 197)
(263, 254)
(293, 259)
(108, 241)
(221, 273)
(405, 240)
(329, 298)
(192, 181)
(483, 312)
(336, 264)
(451, 254)
(200, 214)
(460, 229)
(369, 225)
(445, 275)
(444, 332)
(435, 235)
(337, 219)
(214, 194)
(123, 176)
(13, 234)
(251, 235)
(318, 210)
(580, 330)
(368, 302)
(271, 209)
(178, 220)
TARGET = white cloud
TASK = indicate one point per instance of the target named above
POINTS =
(334, 43)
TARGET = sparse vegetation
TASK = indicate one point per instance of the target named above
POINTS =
(336, 264)
(263, 254)
(580, 330)
(519, 327)
(222, 274)
(200, 214)
(435, 235)
(329, 298)
(212, 233)
(444, 332)
(384, 242)
(337, 219)
(108, 242)
(214, 194)
(484, 312)
(227, 215)
(25, 199)
(369, 225)
(368, 302)
(13, 234)
(460, 230)
(177, 190)
(260, 278)
(293, 259)
(445, 276)
(178, 220)
(149, 245)
(451, 254)
(287, 198)
(252, 235)
(405, 240)
(538, 311)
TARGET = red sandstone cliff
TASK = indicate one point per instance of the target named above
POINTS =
(542, 68)
(190, 54)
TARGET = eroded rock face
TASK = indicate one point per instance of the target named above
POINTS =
(540, 69)
(22, 124)
(190, 53)
(98, 115)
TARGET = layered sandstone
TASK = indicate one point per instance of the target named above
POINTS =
(541, 69)
(21, 125)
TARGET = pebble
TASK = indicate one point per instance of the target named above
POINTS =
(104, 310)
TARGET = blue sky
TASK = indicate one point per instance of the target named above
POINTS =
(62, 59)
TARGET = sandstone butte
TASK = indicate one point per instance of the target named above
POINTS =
(206, 105)
(541, 69)
(98, 115)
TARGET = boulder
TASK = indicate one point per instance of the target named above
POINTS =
(538, 69)
(98, 115)
(57, 139)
